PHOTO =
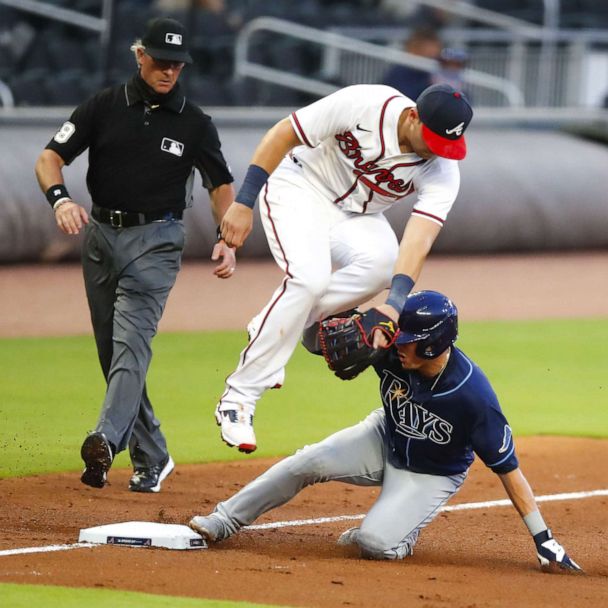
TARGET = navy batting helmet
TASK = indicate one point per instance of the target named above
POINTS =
(431, 319)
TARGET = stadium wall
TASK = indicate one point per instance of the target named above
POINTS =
(521, 190)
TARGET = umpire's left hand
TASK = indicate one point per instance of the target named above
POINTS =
(70, 217)
(227, 256)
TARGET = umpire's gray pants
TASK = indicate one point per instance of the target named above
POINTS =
(128, 274)
(358, 455)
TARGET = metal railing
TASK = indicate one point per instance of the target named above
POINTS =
(331, 40)
(101, 25)
(65, 15)
(492, 18)
(6, 96)
(561, 77)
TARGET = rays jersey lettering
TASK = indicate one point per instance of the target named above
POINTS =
(411, 419)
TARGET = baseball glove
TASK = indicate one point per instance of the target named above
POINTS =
(347, 343)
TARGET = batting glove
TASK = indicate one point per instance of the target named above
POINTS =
(551, 554)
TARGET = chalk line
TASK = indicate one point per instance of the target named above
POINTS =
(488, 504)
(461, 507)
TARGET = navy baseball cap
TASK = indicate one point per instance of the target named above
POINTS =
(166, 39)
(445, 114)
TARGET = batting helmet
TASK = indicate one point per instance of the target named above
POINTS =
(431, 319)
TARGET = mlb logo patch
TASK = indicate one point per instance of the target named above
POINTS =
(173, 39)
(173, 147)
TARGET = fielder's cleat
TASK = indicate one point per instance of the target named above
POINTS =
(349, 537)
(97, 454)
(149, 479)
(237, 427)
(209, 527)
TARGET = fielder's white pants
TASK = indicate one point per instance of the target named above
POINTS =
(333, 260)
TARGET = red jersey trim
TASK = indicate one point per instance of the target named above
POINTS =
(301, 130)
(429, 215)
(285, 280)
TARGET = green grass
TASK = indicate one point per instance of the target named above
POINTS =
(26, 596)
(550, 377)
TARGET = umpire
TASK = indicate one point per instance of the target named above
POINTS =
(145, 140)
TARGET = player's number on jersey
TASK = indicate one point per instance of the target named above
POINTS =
(67, 130)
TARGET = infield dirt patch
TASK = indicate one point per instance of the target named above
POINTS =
(465, 559)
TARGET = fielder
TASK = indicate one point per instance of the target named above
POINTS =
(438, 410)
(336, 166)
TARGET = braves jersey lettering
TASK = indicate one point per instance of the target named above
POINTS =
(350, 147)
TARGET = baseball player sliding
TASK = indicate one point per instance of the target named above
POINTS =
(325, 175)
(438, 409)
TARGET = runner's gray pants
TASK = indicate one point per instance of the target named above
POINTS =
(357, 455)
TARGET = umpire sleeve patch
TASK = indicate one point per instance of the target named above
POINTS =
(67, 130)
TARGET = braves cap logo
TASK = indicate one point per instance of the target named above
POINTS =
(173, 39)
(456, 130)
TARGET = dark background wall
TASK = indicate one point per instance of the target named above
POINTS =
(522, 190)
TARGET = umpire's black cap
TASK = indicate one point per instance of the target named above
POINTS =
(166, 39)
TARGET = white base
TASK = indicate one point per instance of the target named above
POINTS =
(144, 534)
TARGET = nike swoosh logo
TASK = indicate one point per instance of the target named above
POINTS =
(360, 128)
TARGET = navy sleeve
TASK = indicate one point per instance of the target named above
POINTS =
(491, 436)
(74, 136)
(209, 159)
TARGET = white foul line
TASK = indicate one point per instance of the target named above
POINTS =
(462, 507)
(326, 520)
(47, 549)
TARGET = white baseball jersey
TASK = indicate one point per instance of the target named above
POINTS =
(351, 154)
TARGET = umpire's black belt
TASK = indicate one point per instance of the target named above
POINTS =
(127, 219)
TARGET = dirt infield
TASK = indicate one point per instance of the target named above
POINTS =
(50, 300)
(465, 559)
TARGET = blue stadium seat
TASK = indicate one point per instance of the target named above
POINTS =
(204, 91)
(65, 88)
(29, 88)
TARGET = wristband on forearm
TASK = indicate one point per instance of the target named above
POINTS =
(254, 181)
(218, 234)
(57, 195)
(535, 523)
(401, 286)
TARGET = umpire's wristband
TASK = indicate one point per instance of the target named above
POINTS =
(401, 286)
(55, 194)
(254, 181)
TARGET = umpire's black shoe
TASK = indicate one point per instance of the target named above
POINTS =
(97, 453)
(148, 479)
